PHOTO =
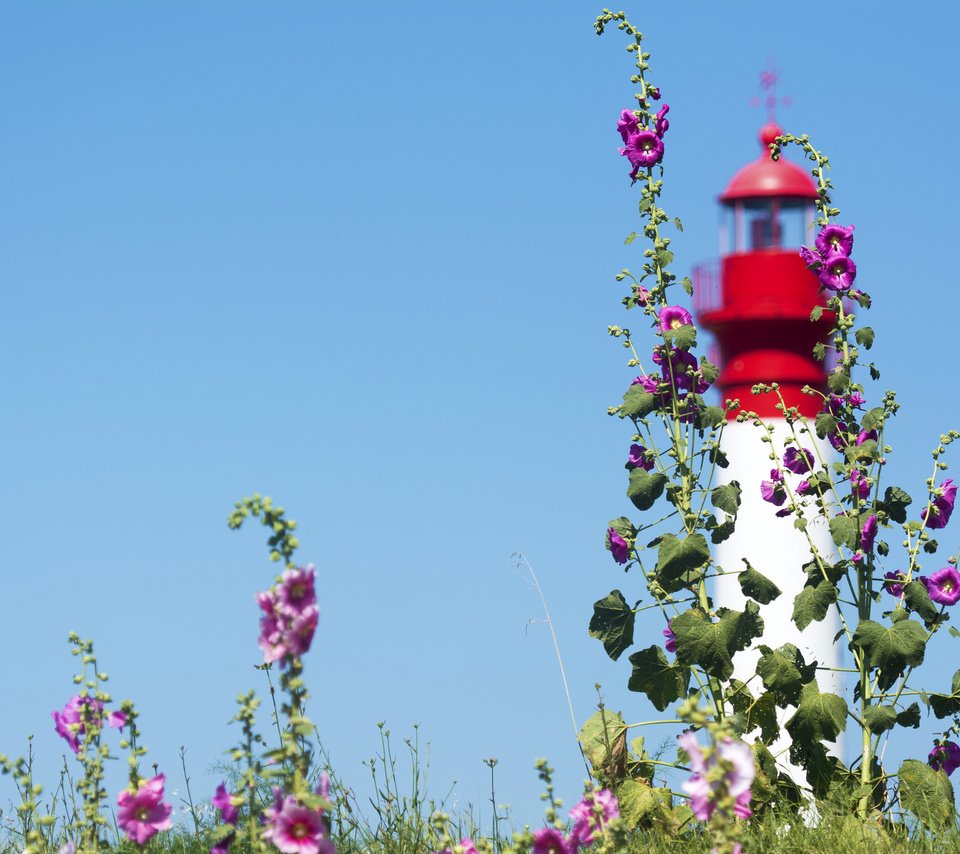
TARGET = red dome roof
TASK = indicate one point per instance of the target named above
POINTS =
(766, 177)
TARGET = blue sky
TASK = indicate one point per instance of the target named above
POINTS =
(365, 265)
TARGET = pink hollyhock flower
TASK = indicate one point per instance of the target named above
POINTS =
(736, 782)
(894, 582)
(838, 272)
(638, 458)
(944, 497)
(224, 801)
(627, 125)
(585, 820)
(859, 484)
(67, 848)
(298, 634)
(673, 316)
(835, 239)
(662, 124)
(643, 149)
(296, 829)
(549, 840)
(865, 435)
(803, 487)
(671, 638)
(142, 814)
(272, 626)
(798, 460)
(945, 756)
(296, 591)
(679, 369)
(773, 490)
(649, 383)
(641, 294)
(70, 721)
(618, 546)
(810, 258)
(944, 586)
(868, 533)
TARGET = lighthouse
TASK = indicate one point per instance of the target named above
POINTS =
(757, 300)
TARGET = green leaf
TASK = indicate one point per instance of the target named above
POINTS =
(677, 223)
(726, 497)
(604, 740)
(944, 705)
(838, 381)
(874, 372)
(663, 257)
(819, 717)
(874, 418)
(895, 502)
(718, 457)
(757, 585)
(630, 238)
(812, 603)
(880, 718)
(677, 557)
(917, 599)
(784, 672)
(708, 370)
(845, 530)
(683, 336)
(612, 622)
(722, 531)
(816, 314)
(637, 403)
(712, 645)
(910, 716)
(864, 337)
(642, 806)
(865, 452)
(687, 285)
(928, 794)
(819, 351)
(645, 488)
(891, 650)
(663, 683)
(624, 527)
(711, 416)
(824, 424)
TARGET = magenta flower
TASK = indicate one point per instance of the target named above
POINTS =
(586, 821)
(838, 272)
(866, 435)
(662, 124)
(679, 369)
(638, 459)
(798, 460)
(894, 582)
(298, 634)
(618, 546)
(773, 490)
(224, 802)
(549, 840)
(945, 757)
(271, 628)
(627, 125)
(654, 92)
(868, 533)
(803, 487)
(859, 484)
(671, 638)
(810, 258)
(944, 586)
(142, 814)
(71, 722)
(649, 384)
(643, 149)
(296, 829)
(296, 591)
(673, 316)
(944, 497)
(855, 399)
(735, 782)
(835, 239)
(641, 294)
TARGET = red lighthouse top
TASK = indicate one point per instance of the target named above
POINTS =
(757, 300)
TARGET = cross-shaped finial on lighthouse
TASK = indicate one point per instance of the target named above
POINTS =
(768, 84)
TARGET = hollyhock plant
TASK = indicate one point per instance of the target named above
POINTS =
(618, 546)
(595, 810)
(672, 317)
(838, 272)
(835, 239)
(798, 460)
(549, 840)
(945, 757)
(944, 586)
(638, 459)
(296, 829)
(941, 507)
(773, 490)
(141, 814)
(643, 149)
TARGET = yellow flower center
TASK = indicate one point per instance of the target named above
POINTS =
(300, 830)
(142, 814)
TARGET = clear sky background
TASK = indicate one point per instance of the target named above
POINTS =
(363, 263)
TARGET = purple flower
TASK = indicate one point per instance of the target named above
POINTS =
(859, 484)
(641, 294)
(549, 840)
(296, 829)
(855, 399)
(627, 125)
(810, 258)
(945, 757)
(944, 586)
(944, 497)
(679, 369)
(894, 582)
(71, 722)
(803, 487)
(772, 490)
(586, 820)
(643, 149)
(866, 435)
(638, 459)
(838, 272)
(674, 316)
(868, 533)
(649, 383)
(671, 644)
(662, 123)
(654, 92)
(223, 801)
(142, 814)
(798, 460)
(296, 591)
(835, 239)
(704, 793)
(618, 546)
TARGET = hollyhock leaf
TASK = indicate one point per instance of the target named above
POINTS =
(604, 740)
(891, 650)
(711, 416)
(844, 530)
(663, 257)
(645, 488)
(762, 714)
(630, 238)
(944, 705)
(819, 716)
(917, 598)
(623, 526)
(873, 419)
(677, 557)
(662, 681)
(722, 531)
(643, 806)
(711, 645)
(683, 336)
(928, 794)
(895, 502)
(931, 546)
(865, 337)
(726, 497)
(756, 585)
(709, 370)
(816, 314)
(865, 452)
(825, 424)
(819, 351)
(812, 603)
(880, 718)
(910, 716)
(838, 381)
(718, 457)
(784, 672)
(613, 622)
(637, 403)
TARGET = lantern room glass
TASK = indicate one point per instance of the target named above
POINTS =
(762, 224)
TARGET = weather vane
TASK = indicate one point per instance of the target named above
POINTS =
(768, 84)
